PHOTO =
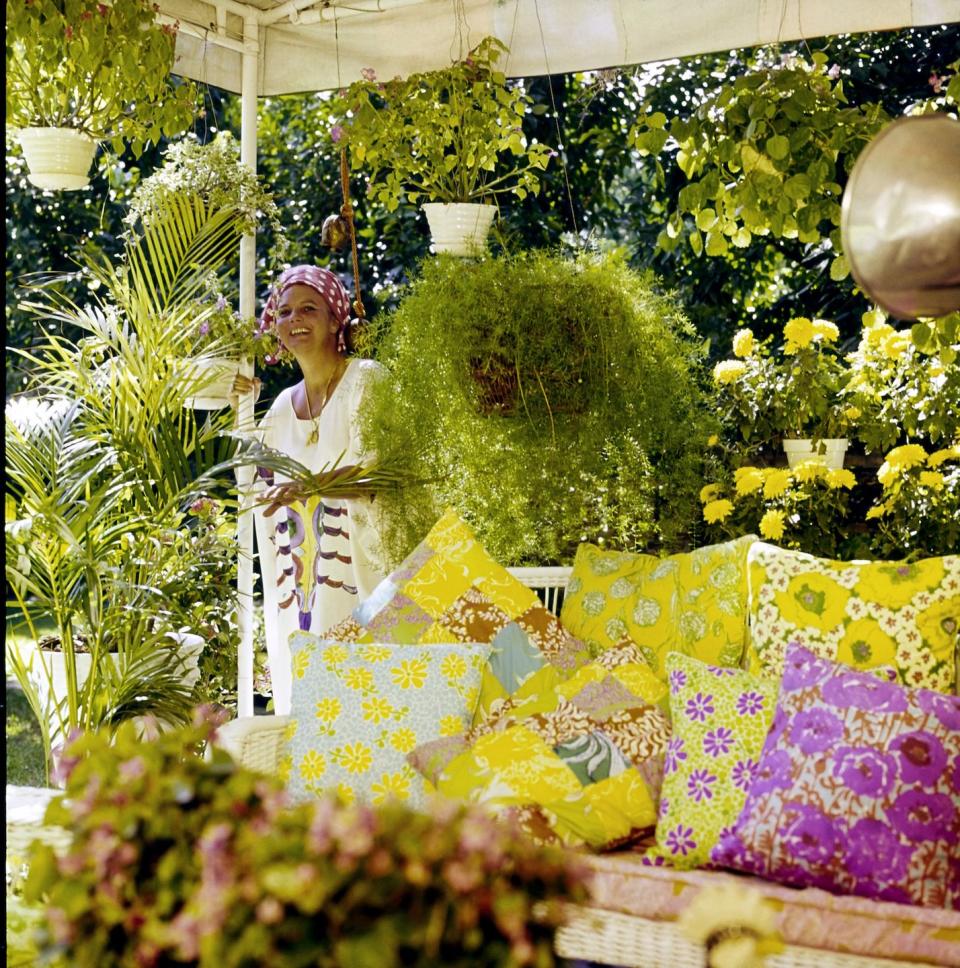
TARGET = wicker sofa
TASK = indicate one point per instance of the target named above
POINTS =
(631, 919)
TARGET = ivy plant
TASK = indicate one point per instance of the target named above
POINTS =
(766, 154)
(100, 68)
(449, 135)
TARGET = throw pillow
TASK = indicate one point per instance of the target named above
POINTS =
(695, 603)
(358, 709)
(864, 614)
(858, 788)
(450, 590)
(720, 720)
(585, 770)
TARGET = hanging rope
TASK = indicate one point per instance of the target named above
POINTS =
(346, 213)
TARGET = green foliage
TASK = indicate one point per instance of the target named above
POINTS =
(177, 859)
(551, 400)
(762, 156)
(450, 135)
(103, 69)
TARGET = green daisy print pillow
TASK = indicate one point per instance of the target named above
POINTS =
(358, 709)
(721, 717)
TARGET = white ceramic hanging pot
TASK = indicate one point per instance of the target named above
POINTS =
(57, 158)
(212, 381)
(830, 451)
(460, 228)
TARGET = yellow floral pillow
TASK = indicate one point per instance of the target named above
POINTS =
(450, 590)
(865, 614)
(357, 710)
(694, 603)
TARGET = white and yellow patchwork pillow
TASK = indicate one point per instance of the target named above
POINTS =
(864, 614)
(358, 709)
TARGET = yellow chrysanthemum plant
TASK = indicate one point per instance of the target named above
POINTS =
(798, 392)
(801, 507)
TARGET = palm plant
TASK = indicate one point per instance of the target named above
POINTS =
(98, 492)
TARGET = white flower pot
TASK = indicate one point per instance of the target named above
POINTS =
(830, 452)
(58, 158)
(460, 228)
(212, 381)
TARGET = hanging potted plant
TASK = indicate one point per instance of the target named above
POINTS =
(83, 71)
(218, 338)
(449, 138)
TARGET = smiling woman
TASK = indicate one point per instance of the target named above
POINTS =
(319, 557)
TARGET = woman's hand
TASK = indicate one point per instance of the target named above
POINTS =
(292, 492)
(244, 384)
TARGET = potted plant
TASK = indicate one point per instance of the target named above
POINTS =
(84, 71)
(181, 859)
(450, 138)
(797, 398)
(218, 337)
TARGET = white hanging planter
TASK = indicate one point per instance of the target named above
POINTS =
(58, 158)
(830, 451)
(460, 228)
(212, 376)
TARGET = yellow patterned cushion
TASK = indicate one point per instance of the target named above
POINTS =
(450, 590)
(694, 603)
(864, 614)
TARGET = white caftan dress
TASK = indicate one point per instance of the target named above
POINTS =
(318, 560)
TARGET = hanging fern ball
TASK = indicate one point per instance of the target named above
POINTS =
(550, 399)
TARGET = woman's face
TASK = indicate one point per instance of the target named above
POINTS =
(305, 324)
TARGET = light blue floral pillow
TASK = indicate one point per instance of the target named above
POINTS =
(357, 709)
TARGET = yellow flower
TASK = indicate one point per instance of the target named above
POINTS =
(743, 342)
(713, 440)
(748, 480)
(809, 470)
(813, 600)
(345, 794)
(840, 478)
(876, 330)
(909, 455)
(717, 511)
(393, 786)
(377, 709)
(852, 413)
(866, 645)
(877, 511)
(728, 371)
(826, 331)
(453, 667)
(451, 726)
(939, 456)
(354, 757)
(799, 333)
(373, 653)
(776, 483)
(893, 584)
(313, 765)
(887, 474)
(335, 655)
(403, 740)
(301, 662)
(932, 479)
(895, 345)
(328, 710)
(411, 673)
(771, 525)
(708, 493)
(361, 679)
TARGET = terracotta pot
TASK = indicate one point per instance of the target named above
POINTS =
(58, 158)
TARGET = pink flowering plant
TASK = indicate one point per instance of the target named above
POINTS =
(100, 68)
(181, 859)
(450, 135)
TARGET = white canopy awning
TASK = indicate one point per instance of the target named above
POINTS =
(310, 45)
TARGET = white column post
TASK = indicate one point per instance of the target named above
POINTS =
(248, 269)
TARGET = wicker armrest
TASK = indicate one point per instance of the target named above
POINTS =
(255, 742)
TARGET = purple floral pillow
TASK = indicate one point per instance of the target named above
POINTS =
(857, 790)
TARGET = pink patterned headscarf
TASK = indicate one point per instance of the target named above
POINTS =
(325, 283)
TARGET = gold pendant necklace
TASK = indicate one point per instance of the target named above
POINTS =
(327, 393)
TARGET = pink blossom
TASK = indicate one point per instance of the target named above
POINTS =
(834, 72)
(103, 9)
(936, 82)
(68, 33)
(368, 74)
(336, 133)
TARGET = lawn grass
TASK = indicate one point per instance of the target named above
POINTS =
(24, 748)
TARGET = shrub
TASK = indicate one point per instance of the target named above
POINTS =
(551, 400)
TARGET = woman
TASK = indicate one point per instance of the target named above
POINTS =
(318, 558)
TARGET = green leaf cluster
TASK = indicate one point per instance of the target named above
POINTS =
(766, 154)
(100, 68)
(450, 135)
(551, 400)
(181, 859)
